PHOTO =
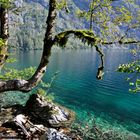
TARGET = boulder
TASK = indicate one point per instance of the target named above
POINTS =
(47, 112)
(37, 118)
(53, 134)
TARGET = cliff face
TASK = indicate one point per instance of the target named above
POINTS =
(28, 27)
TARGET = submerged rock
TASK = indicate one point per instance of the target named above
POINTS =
(48, 112)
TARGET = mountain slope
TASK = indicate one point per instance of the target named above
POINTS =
(27, 29)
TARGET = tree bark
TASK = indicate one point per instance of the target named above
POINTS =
(28, 85)
(3, 35)
(48, 43)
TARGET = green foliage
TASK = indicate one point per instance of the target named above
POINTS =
(99, 12)
(135, 85)
(47, 86)
(124, 16)
(132, 68)
(107, 17)
(86, 36)
(11, 60)
(48, 96)
(11, 73)
(61, 4)
(44, 88)
(1, 42)
(5, 3)
(134, 52)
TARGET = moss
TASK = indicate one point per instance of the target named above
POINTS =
(86, 36)
(1, 42)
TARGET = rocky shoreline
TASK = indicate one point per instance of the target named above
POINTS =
(38, 119)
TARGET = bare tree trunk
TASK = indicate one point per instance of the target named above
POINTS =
(3, 35)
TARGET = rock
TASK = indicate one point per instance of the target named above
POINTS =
(36, 118)
(47, 112)
(7, 132)
(53, 134)
(5, 115)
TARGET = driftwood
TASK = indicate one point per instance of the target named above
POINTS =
(23, 122)
(20, 121)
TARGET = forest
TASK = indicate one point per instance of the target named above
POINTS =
(69, 69)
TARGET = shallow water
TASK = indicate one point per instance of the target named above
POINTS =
(76, 86)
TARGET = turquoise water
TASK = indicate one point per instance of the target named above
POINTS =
(76, 86)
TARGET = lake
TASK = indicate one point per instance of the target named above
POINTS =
(77, 88)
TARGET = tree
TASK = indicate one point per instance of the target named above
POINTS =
(5, 5)
(50, 39)
(108, 17)
(3, 32)
(112, 22)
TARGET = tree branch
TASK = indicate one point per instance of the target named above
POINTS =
(121, 42)
(28, 85)
(86, 36)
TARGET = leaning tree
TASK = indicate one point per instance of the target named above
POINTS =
(51, 38)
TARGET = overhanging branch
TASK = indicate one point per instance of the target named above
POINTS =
(86, 36)
(121, 42)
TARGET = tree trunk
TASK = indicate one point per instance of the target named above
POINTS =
(49, 40)
(3, 35)
(28, 85)
(48, 43)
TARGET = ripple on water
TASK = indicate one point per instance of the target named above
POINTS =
(77, 88)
